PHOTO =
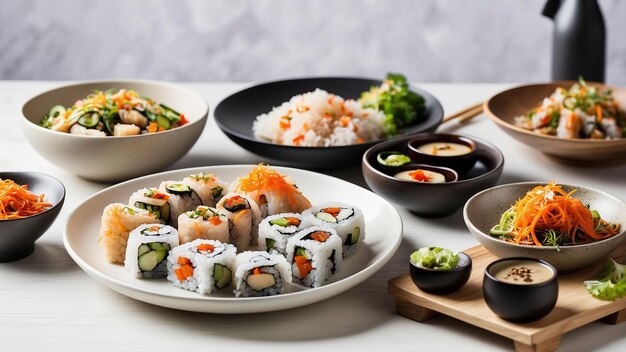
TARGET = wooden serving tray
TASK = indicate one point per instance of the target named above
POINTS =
(575, 307)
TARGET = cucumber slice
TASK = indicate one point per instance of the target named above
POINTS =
(326, 217)
(140, 205)
(301, 252)
(170, 113)
(354, 236)
(162, 121)
(143, 249)
(216, 192)
(148, 261)
(178, 188)
(89, 119)
(56, 110)
(283, 222)
(270, 243)
(165, 212)
(156, 245)
(222, 275)
(161, 255)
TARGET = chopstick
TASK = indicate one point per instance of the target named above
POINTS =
(465, 114)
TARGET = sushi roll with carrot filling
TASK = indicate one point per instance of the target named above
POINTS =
(315, 254)
(182, 198)
(118, 220)
(346, 219)
(274, 193)
(261, 274)
(276, 230)
(209, 187)
(147, 250)
(203, 223)
(244, 217)
(154, 201)
(203, 266)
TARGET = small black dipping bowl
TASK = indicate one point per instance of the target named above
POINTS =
(18, 236)
(518, 302)
(442, 281)
(461, 163)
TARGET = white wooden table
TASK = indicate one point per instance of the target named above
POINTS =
(47, 303)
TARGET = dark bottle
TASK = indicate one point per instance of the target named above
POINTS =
(579, 40)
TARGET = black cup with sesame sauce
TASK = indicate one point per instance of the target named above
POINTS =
(520, 289)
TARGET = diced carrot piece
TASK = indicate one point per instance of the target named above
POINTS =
(256, 271)
(184, 261)
(320, 236)
(206, 247)
(215, 220)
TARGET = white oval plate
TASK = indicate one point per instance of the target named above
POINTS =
(383, 228)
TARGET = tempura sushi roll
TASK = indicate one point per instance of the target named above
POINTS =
(154, 201)
(118, 220)
(204, 223)
(181, 198)
(244, 217)
(314, 254)
(147, 250)
(275, 230)
(208, 186)
(274, 193)
(202, 266)
(346, 219)
(261, 274)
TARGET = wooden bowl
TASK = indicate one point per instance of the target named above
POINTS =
(503, 107)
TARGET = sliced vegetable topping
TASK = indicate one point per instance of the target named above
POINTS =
(392, 159)
(286, 221)
(236, 203)
(419, 175)
(222, 275)
(320, 236)
(435, 258)
(178, 188)
(206, 247)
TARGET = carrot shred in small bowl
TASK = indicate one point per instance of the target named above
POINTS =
(17, 202)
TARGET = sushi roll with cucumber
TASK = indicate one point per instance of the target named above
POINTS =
(346, 219)
(315, 254)
(154, 201)
(209, 187)
(202, 266)
(182, 198)
(118, 220)
(275, 230)
(244, 217)
(203, 223)
(261, 274)
(147, 250)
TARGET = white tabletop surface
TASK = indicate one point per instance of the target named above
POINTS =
(48, 303)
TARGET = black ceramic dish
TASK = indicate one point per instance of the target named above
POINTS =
(442, 281)
(520, 303)
(461, 163)
(18, 236)
(449, 174)
(236, 114)
(432, 199)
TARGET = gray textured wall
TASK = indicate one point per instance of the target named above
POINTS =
(254, 40)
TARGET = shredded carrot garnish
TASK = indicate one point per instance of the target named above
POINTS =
(153, 127)
(599, 112)
(549, 207)
(17, 202)
(263, 179)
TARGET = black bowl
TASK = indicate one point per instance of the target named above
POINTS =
(520, 303)
(460, 163)
(442, 281)
(235, 114)
(18, 236)
(432, 199)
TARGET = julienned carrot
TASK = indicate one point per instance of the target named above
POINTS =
(17, 202)
(549, 207)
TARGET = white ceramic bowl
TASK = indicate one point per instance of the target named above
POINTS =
(115, 158)
(483, 211)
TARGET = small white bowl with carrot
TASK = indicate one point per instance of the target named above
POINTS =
(568, 226)
(114, 130)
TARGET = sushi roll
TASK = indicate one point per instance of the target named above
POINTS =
(275, 230)
(204, 223)
(208, 187)
(346, 219)
(314, 254)
(202, 266)
(118, 220)
(147, 250)
(274, 193)
(261, 274)
(154, 201)
(182, 198)
(244, 217)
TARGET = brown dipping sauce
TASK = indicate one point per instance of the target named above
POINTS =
(521, 272)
